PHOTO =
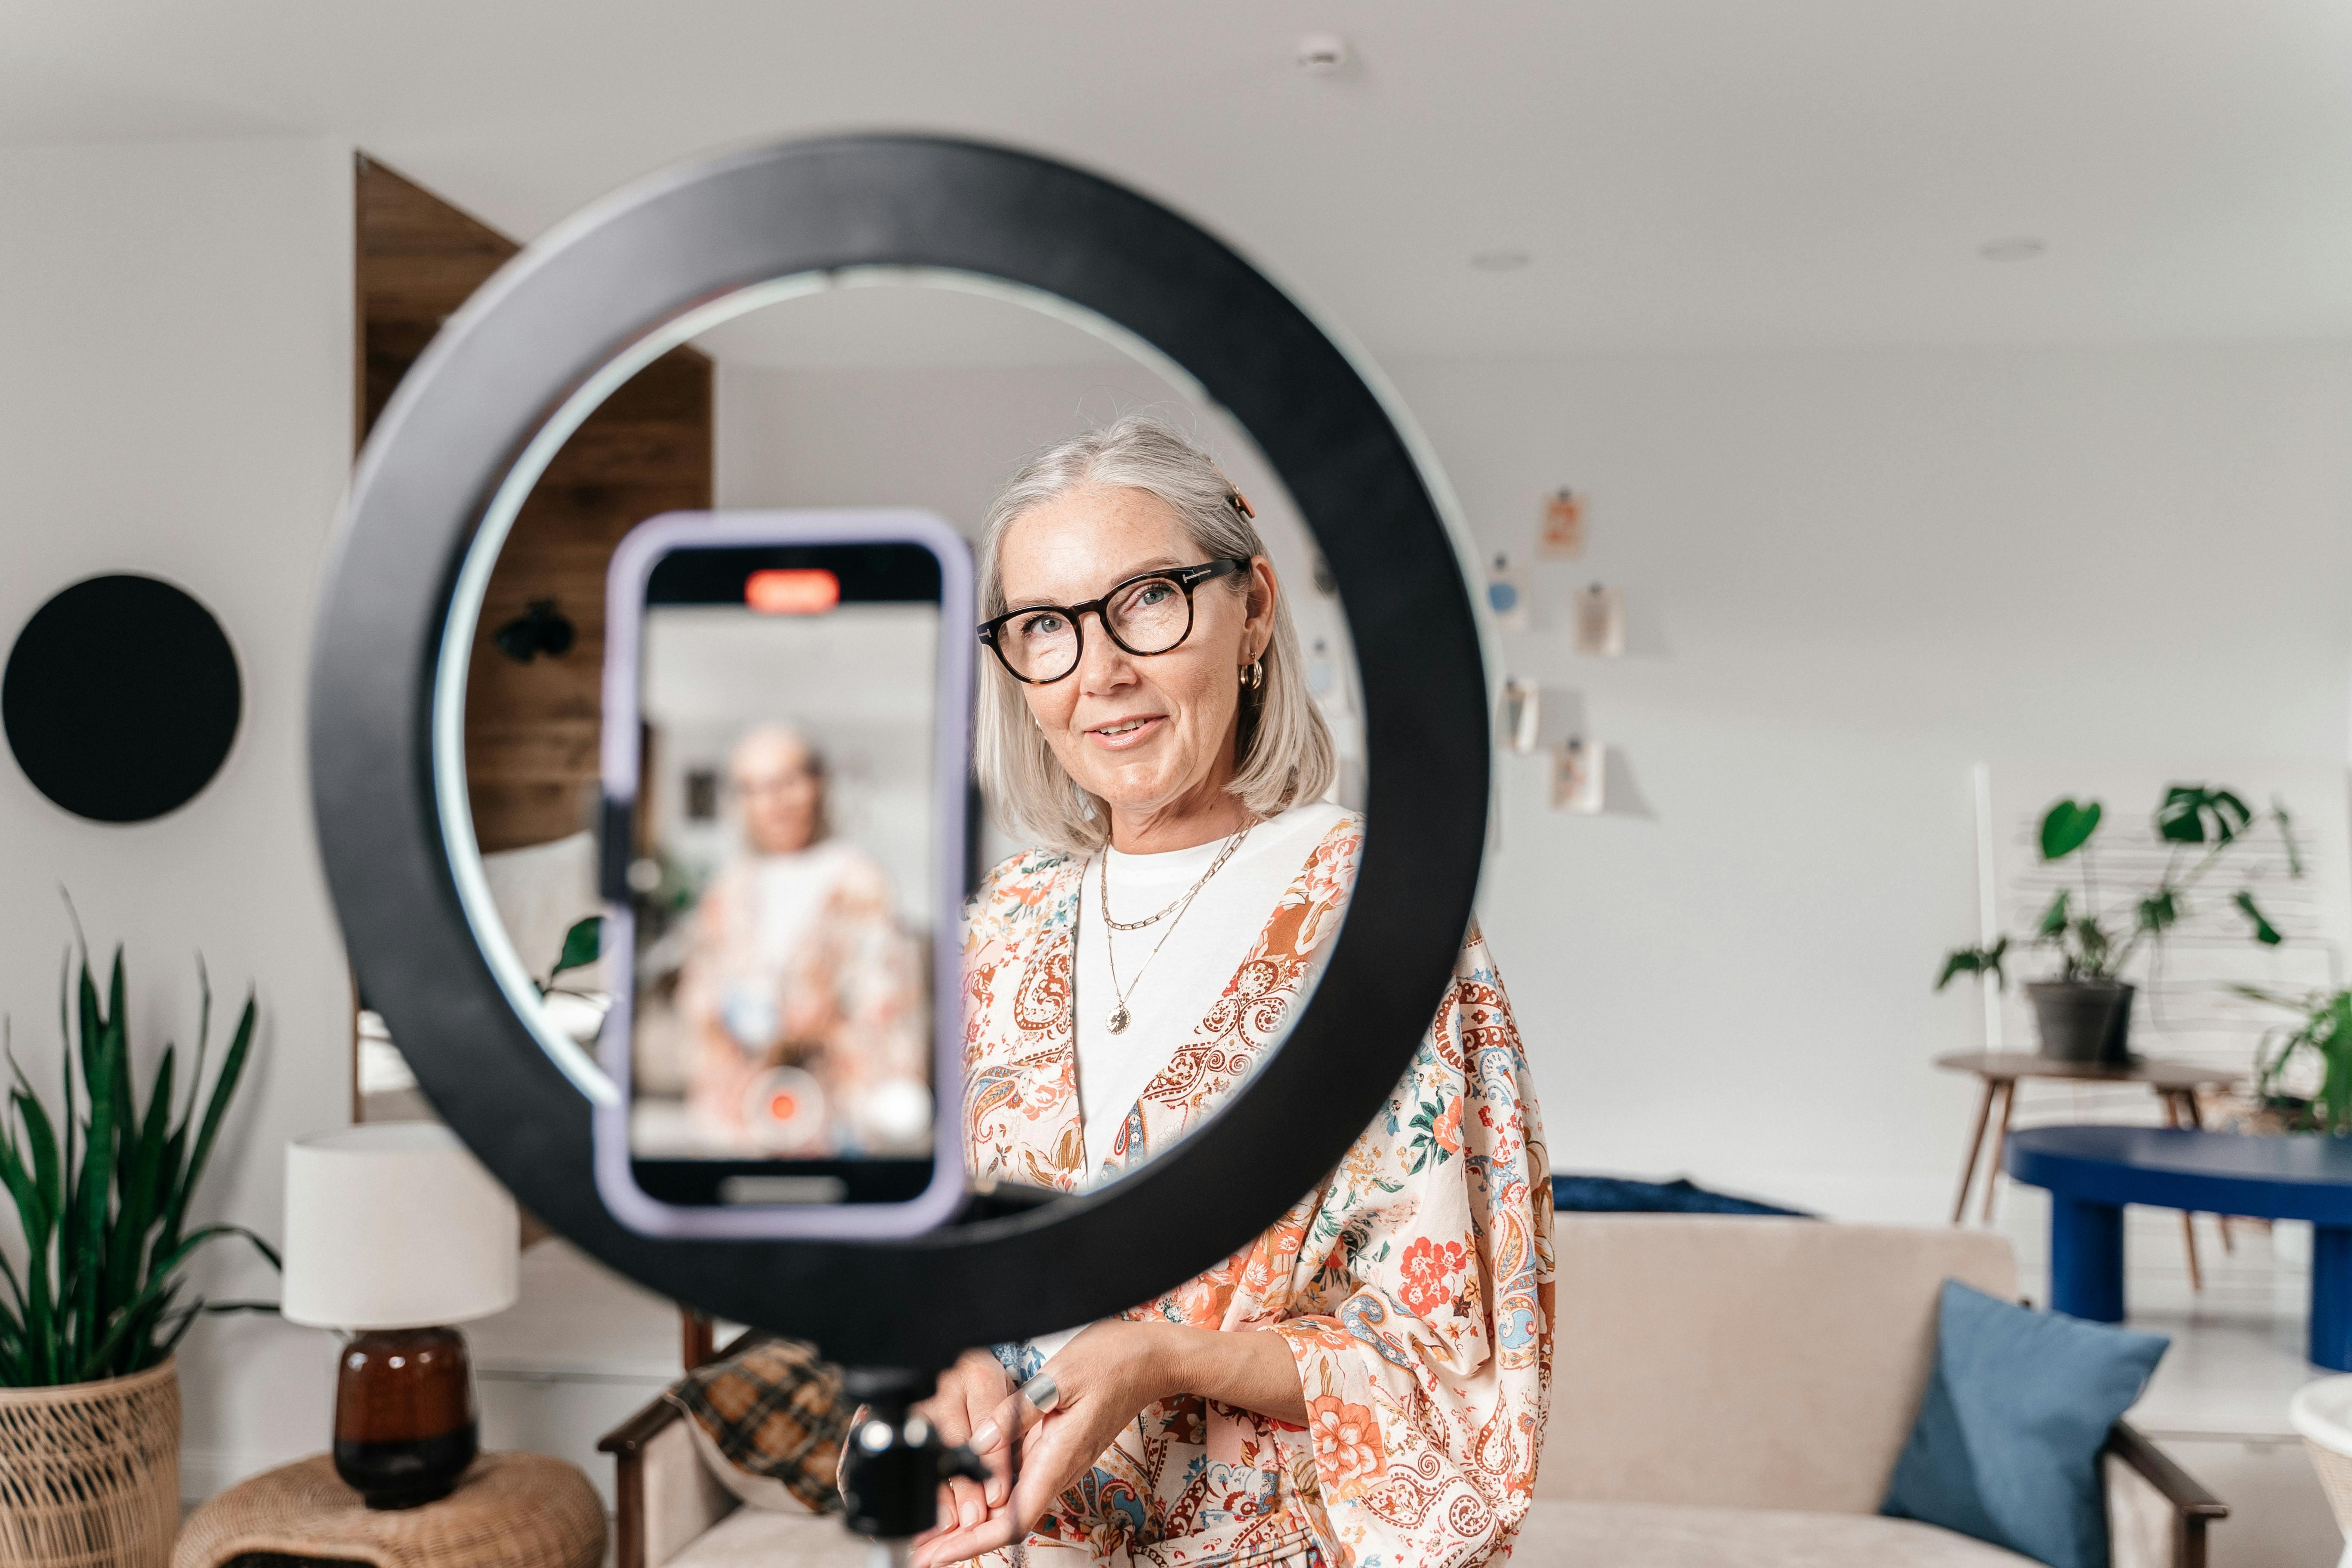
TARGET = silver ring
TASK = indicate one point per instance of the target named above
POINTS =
(1043, 1392)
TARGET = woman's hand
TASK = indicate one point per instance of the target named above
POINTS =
(972, 1396)
(1107, 1376)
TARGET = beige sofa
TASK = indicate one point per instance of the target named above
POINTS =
(1726, 1394)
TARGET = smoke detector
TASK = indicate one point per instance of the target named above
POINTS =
(1322, 54)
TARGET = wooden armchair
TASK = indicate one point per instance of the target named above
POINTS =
(669, 1507)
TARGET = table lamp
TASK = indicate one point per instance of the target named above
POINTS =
(394, 1232)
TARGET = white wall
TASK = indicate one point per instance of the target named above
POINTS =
(175, 399)
(1849, 578)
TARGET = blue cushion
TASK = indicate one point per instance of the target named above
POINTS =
(2007, 1444)
(1614, 1194)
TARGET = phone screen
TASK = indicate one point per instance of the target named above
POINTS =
(788, 883)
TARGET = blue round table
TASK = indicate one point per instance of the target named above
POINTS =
(2092, 1172)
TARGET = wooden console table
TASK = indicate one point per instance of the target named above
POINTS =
(2175, 1084)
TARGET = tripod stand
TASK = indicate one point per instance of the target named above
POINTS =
(894, 1461)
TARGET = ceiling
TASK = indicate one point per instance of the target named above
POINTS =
(1682, 173)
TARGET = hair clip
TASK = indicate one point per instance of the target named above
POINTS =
(1240, 504)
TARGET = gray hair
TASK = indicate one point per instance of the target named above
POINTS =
(1286, 750)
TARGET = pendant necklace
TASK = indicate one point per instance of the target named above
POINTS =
(1119, 1016)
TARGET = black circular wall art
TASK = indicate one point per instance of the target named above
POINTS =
(121, 698)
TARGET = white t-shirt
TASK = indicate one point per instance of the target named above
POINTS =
(790, 893)
(1168, 995)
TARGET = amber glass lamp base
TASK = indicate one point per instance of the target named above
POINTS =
(404, 1423)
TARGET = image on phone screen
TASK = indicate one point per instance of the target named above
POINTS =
(792, 809)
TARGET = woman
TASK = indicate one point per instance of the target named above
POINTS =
(796, 961)
(1366, 1382)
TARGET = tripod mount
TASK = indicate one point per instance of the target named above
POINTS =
(894, 1461)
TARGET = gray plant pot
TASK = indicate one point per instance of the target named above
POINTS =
(2083, 1020)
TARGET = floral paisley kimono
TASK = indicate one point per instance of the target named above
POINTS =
(799, 960)
(1413, 1283)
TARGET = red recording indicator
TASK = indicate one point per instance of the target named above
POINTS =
(802, 592)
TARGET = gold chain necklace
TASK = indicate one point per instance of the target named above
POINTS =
(1147, 919)
(1119, 1016)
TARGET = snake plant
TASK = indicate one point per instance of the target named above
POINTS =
(102, 1194)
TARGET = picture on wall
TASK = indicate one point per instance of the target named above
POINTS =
(1599, 619)
(1562, 538)
(1506, 593)
(1522, 715)
(1577, 769)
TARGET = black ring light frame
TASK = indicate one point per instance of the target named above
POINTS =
(580, 299)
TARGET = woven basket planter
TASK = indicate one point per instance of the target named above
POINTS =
(89, 1473)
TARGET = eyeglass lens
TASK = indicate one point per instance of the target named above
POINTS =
(1149, 616)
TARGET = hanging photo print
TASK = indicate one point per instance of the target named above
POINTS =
(1562, 538)
(1522, 715)
(1601, 621)
(1576, 771)
(1506, 593)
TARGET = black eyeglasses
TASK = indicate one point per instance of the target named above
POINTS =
(1151, 614)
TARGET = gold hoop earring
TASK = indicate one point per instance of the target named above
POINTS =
(1254, 676)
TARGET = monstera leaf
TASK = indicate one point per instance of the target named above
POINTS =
(2192, 814)
(2066, 826)
(2264, 932)
(1977, 960)
(2054, 919)
(2286, 836)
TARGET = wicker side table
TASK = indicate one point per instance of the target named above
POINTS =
(509, 1511)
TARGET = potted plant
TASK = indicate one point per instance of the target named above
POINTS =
(2303, 1069)
(90, 1403)
(578, 1013)
(2084, 1012)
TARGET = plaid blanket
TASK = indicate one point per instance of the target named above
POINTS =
(773, 1410)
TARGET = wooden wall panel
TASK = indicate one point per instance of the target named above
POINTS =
(531, 729)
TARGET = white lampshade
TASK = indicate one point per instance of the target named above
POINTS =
(396, 1226)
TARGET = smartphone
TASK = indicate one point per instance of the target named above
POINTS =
(786, 776)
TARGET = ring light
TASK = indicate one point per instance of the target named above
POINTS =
(490, 399)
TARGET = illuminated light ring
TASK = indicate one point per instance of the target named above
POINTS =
(486, 401)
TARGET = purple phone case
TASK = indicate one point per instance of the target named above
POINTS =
(632, 565)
